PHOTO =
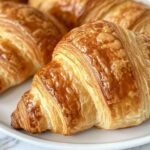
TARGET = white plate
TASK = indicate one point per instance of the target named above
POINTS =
(94, 139)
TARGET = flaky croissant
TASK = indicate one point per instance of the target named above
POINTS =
(99, 76)
(27, 39)
(127, 13)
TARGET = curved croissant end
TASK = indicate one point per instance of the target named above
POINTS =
(99, 76)
(31, 120)
(28, 38)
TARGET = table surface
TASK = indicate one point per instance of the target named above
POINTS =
(14, 144)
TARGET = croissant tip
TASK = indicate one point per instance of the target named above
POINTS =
(14, 121)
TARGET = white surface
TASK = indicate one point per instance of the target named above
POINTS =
(92, 139)
(19, 145)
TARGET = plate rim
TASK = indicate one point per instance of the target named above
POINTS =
(124, 144)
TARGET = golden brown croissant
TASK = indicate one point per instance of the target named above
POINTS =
(127, 13)
(27, 39)
(99, 76)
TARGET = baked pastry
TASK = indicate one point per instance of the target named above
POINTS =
(27, 39)
(67, 11)
(98, 76)
(127, 13)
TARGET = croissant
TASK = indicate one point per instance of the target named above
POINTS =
(27, 39)
(126, 13)
(99, 76)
